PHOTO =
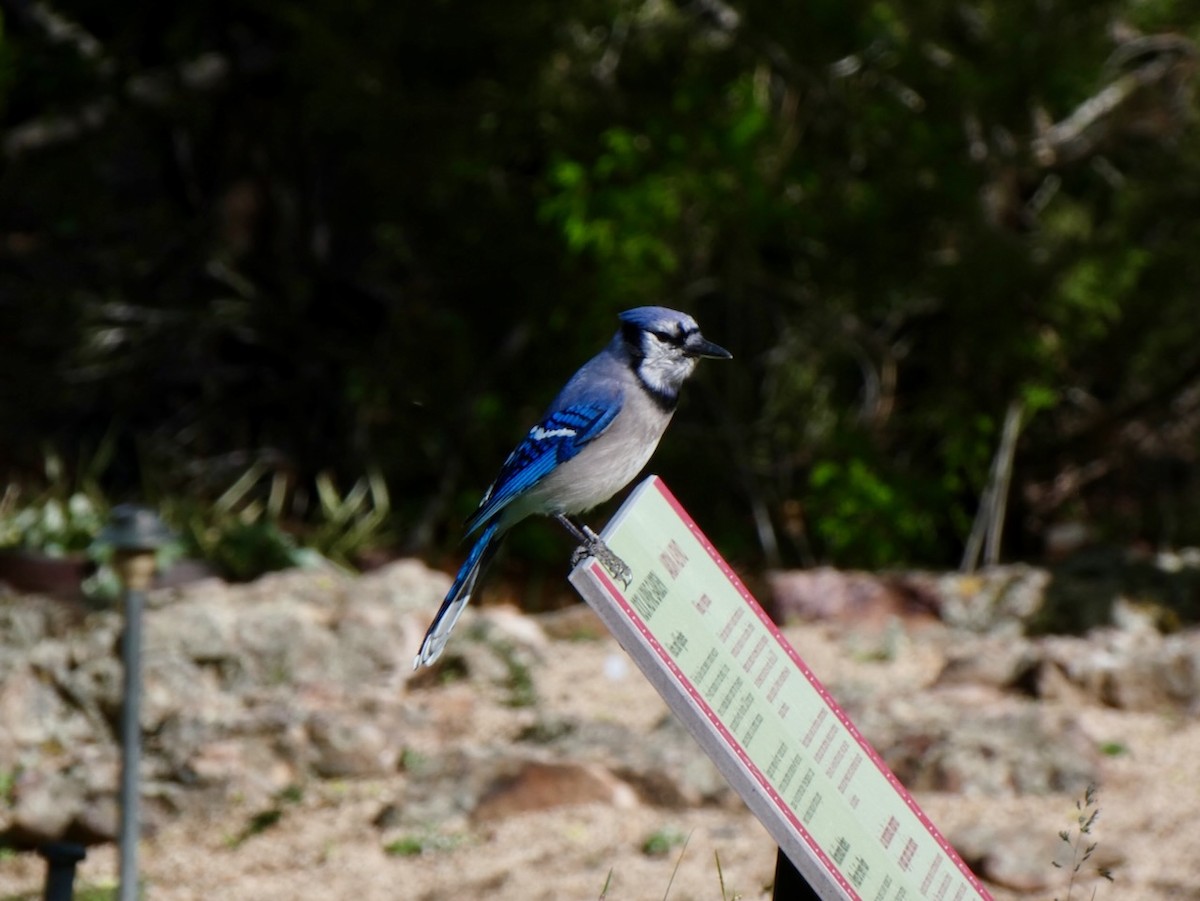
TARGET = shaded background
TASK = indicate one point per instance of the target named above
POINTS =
(289, 239)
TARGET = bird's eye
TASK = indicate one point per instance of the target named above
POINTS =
(666, 337)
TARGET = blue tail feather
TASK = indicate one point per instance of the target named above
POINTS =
(459, 594)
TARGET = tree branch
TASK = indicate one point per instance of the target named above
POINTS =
(152, 89)
(1077, 135)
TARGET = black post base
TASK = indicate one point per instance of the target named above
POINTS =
(789, 884)
(61, 858)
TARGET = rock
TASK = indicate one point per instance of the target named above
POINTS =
(197, 631)
(280, 643)
(578, 622)
(665, 766)
(996, 598)
(227, 692)
(402, 588)
(46, 803)
(996, 661)
(171, 684)
(1090, 588)
(25, 621)
(317, 591)
(50, 658)
(348, 745)
(1049, 682)
(446, 786)
(832, 595)
(96, 687)
(246, 767)
(539, 786)
(1178, 670)
(1006, 598)
(389, 817)
(97, 638)
(976, 742)
(1139, 670)
(1133, 667)
(508, 625)
(375, 639)
(32, 710)
(1015, 857)
(99, 821)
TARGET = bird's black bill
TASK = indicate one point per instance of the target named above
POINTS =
(697, 346)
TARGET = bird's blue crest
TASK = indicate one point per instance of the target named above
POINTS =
(658, 318)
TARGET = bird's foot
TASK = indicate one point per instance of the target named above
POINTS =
(594, 546)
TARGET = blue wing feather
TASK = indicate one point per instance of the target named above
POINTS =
(557, 438)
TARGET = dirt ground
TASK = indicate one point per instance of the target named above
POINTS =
(326, 844)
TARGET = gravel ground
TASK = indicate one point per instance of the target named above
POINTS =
(326, 845)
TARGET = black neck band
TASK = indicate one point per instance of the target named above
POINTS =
(665, 400)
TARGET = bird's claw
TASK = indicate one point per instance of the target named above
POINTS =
(594, 546)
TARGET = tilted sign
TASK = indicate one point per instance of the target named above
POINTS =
(769, 725)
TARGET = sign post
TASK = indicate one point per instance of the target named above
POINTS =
(837, 812)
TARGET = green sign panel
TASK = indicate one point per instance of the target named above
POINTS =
(766, 721)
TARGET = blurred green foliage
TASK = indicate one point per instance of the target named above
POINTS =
(58, 514)
(328, 239)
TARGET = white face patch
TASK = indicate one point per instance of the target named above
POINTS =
(664, 366)
(537, 433)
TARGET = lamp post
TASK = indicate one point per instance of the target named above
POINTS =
(61, 858)
(135, 534)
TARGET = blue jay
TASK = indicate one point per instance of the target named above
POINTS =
(596, 436)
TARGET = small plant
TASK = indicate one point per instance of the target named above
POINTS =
(352, 524)
(52, 526)
(96, 893)
(415, 844)
(1081, 845)
(8, 785)
(660, 843)
(607, 885)
(268, 818)
(263, 522)
(67, 509)
(257, 825)
(242, 551)
(414, 762)
(406, 846)
(522, 691)
(292, 794)
(678, 861)
(61, 518)
(725, 896)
